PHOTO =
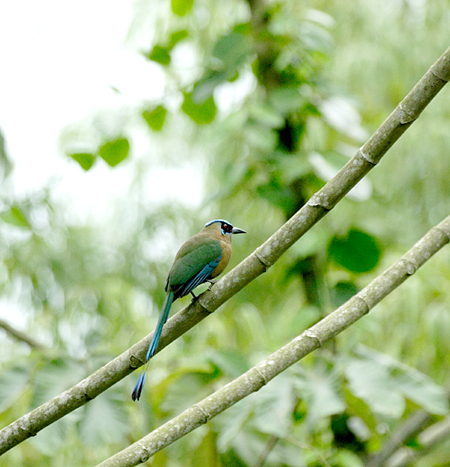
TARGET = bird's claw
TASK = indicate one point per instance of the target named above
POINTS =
(194, 297)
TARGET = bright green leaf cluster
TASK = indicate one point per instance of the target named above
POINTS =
(112, 152)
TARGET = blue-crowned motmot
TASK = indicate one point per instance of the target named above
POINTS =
(202, 258)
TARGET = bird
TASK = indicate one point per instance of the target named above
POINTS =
(200, 259)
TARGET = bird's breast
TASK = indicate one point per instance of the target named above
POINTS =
(226, 255)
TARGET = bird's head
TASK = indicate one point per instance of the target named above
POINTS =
(225, 227)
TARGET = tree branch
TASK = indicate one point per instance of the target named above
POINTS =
(411, 427)
(428, 439)
(273, 440)
(21, 336)
(314, 337)
(394, 446)
(249, 269)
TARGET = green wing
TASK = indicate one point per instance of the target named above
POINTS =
(192, 257)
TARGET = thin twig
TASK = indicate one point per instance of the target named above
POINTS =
(273, 440)
(428, 439)
(410, 428)
(21, 336)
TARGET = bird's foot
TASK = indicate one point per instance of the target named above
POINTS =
(211, 282)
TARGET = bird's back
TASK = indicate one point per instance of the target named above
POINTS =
(192, 257)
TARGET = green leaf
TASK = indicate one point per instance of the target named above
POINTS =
(231, 423)
(360, 409)
(159, 55)
(344, 457)
(12, 383)
(155, 118)
(188, 389)
(371, 382)
(414, 384)
(277, 399)
(205, 453)
(422, 390)
(176, 37)
(243, 28)
(228, 54)
(181, 7)
(232, 50)
(104, 421)
(55, 436)
(202, 113)
(342, 292)
(277, 194)
(205, 87)
(358, 252)
(54, 377)
(15, 216)
(114, 152)
(261, 138)
(286, 99)
(229, 362)
(85, 159)
(267, 116)
(319, 388)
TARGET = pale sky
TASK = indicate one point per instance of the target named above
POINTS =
(59, 62)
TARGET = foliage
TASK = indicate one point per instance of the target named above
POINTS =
(280, 96)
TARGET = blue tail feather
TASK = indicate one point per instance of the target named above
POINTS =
(154, 343)
(159, 326)
(136, 394)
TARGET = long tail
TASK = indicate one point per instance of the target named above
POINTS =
(153, 344)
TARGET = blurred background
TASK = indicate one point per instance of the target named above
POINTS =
(125, 127)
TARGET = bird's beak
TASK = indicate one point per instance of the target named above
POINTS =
(236, 230)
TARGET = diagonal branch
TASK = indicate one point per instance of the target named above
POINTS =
(417, 425)
(410, 428)
(249, 269)
(21, 336)
(314, 337)
(428, 439)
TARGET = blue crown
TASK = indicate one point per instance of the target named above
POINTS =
(216, 220)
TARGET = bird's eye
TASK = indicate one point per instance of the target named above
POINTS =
(227, 227)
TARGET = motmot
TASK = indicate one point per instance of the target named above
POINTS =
(200, 259)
